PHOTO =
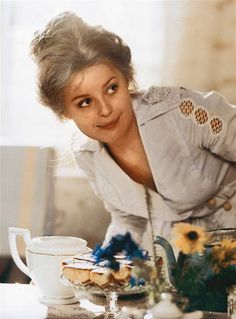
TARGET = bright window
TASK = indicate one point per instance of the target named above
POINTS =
(24, 120)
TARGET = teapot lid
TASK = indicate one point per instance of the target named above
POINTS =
(58, 245)
(166, 308)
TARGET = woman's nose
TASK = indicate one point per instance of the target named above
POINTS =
(105, 108)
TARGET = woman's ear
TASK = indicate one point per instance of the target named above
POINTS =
(132, 87)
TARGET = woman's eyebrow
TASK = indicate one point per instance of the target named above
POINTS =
(85, 95)
(113, 77)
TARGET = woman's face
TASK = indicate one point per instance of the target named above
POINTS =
(99, 103)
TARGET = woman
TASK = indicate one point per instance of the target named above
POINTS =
(164, 155)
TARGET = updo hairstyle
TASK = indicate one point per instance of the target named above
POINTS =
(67, 45)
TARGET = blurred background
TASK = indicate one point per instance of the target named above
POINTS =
(174, 43)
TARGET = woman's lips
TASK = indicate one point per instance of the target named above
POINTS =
(110, 125)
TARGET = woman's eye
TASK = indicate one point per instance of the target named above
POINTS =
(84, 103)
(113, 88)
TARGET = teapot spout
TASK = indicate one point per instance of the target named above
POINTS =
(171, 261)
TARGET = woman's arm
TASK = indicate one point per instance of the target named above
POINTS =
(122, 222)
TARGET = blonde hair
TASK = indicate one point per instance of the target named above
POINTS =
(68, 45)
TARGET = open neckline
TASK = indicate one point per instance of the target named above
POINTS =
(127, 175)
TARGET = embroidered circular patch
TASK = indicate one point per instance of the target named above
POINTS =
(186, 108)
(200, 116)
(216, 125)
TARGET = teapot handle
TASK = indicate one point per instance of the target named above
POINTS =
(13, 232)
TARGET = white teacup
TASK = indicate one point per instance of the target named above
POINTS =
(43, 257)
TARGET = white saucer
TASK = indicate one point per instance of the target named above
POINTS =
(58, 301)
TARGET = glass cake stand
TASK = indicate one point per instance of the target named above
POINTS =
(111, 293)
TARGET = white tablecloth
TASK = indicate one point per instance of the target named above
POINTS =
(21, 301)
(18, 301)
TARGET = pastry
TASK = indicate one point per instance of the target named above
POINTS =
(100, 276)
(85, 257)
(83, 269)
(77, 271)
(122, 274)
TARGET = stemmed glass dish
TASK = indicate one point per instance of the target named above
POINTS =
(111, 293)
(113, 273)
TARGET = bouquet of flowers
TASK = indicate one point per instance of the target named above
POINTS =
(203, 272)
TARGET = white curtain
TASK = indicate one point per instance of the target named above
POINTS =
(186, 43)
(200, 46)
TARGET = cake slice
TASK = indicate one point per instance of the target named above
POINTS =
(122, 274)
(101, 276)
(84, 270)
(77, 271)
(85, 257)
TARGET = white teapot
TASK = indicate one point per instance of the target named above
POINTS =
(43, 257)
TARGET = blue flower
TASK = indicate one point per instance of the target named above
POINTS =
(118, 244)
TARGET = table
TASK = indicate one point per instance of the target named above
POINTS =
(21, 301)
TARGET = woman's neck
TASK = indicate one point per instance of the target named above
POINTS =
(132, 159)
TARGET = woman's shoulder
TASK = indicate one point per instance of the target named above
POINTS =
(154, 94)
(191, 108)
(80, 142)
(82, 148)
(155, 101)
(165, 98)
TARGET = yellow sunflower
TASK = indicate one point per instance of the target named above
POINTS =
(189, 238)
(224, 254)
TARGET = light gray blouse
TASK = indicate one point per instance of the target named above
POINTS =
(190, 142)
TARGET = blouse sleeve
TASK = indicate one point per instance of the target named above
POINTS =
(122, 222)
(211, 122)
